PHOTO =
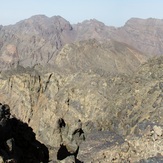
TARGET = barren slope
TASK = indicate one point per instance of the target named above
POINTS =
(111, 57)
(121, 104)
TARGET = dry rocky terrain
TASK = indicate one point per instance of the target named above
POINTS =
(89, 92)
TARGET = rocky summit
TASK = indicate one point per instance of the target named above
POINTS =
(81, 93)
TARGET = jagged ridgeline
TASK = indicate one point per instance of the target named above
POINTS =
(81, 93)
(39, 39)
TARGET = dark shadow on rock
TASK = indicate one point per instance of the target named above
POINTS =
(77, 137)
(76, 153)
(78, 161)
(79, 131)
(63, 152)
(18, 142)
(61, 123)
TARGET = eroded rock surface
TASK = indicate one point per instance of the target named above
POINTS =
(110, 147)
(64, 109)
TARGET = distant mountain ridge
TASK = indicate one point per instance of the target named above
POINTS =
(39, 39)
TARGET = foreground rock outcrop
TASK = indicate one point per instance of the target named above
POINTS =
(17, 140)
(75, 113)
(106, 146)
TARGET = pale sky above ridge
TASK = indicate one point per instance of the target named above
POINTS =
(110, 12)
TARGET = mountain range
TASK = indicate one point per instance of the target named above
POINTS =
(39, 39)
(89, 92)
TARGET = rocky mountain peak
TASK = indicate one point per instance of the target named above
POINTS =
(36, 18)
(42, 23)
(155, 23)
(145, 35)
(92, 22)
(63, 24)
(36, 40)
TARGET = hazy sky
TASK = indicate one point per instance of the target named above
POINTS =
(111, 12)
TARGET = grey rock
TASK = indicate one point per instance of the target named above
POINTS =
(157, 130)
(152, 160)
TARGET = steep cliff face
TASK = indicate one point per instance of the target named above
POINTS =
(33, 99)
(63, 110)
